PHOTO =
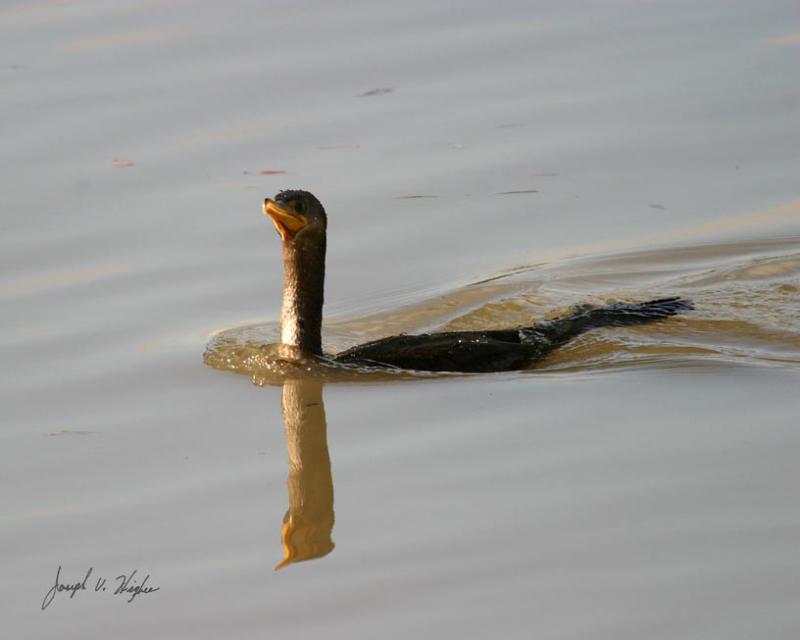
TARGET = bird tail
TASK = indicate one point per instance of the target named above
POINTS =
(619, 314)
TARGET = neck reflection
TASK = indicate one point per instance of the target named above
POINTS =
(308, 523)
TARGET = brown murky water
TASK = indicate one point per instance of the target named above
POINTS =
(482, 166)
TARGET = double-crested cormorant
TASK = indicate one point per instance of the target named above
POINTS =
(301, 222)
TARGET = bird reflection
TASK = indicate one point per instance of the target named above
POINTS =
(308, 523)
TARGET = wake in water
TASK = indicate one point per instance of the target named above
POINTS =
(746, 297)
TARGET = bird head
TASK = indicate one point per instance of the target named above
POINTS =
(296, 214)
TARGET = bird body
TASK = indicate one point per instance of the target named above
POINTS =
(471, 351)
(301, 222)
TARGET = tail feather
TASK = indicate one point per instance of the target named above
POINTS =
(619, 314)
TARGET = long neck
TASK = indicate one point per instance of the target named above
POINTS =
(303, 285)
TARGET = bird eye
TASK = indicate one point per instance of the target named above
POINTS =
(299, 205)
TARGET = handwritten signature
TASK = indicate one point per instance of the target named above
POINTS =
(126, 586)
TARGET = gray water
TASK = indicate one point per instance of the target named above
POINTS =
(640, 483)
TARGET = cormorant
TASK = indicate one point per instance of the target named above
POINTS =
(301, 222)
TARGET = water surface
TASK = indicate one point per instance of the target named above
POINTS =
(481, 165)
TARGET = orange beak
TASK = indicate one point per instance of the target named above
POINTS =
(286, 221)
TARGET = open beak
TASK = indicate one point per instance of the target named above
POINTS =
(286, 221)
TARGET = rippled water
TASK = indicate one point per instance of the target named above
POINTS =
(746, 296)
(482, 166)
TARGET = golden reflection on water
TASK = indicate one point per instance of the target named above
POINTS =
(788, 40)
(746, 295)
(308, 523)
